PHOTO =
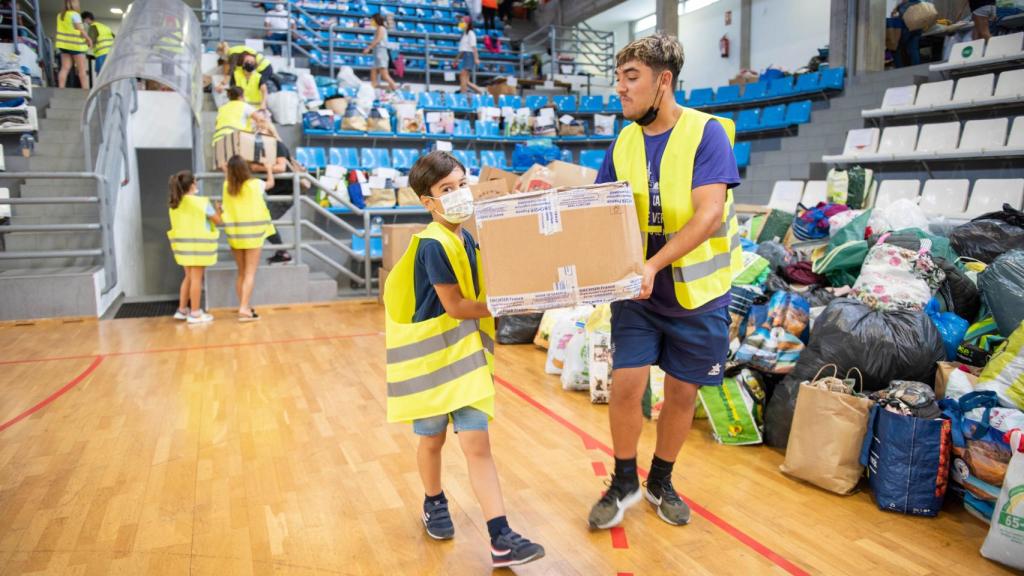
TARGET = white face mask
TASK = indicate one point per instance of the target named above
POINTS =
(457, 205)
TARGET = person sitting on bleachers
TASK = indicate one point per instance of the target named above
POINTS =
(232, 56)
(252, 83)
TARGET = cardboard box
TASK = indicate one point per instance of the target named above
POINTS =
(382, 277)
(488, 173)
(499, 87)
(485, 190)
(395, 239)
(252, 147)
(559, 248)
(556, 174)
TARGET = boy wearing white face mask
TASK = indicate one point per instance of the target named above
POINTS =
(440, 340)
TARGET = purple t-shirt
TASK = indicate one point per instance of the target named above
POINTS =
(714, 163)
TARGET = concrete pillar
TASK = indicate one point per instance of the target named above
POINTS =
(667, 12)
(839, 52)
(746, 16)
(870, 51)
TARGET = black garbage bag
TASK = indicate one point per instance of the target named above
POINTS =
(1002, 288)
(958, 294)
(884, 346)
(989, 235)
(518, 329)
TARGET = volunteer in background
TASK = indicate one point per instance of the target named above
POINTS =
(440, 346)
(247, 224)
(234, 116)
(468, 58)
(983, 13)
(276, 25)
(282, 164)
(72, 43)
(232, 56)
(252, 83)
(379, 47)
(102, 39)
(193, 241)
(680, 165)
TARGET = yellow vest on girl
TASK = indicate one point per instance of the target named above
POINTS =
(439, 365)
(250, 88)
(68, 37)
(246, 217)
(231, 118)
(193, 238)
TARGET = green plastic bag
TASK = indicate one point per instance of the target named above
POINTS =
(854, 230)
(730, 410)
(776, 225)
(754, 271)
(841, 265)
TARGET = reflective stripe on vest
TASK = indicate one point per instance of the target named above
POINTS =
(193, 241)
(231, 118)
(250, 88)
(706, 272)
(441, 364)
(68, 37)
(104, 39)
(246, 217)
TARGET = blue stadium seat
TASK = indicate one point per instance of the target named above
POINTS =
(485, 100)
(495, 158)
(375, 158)
(567, 155)
(681, 97)
(809, 82)
(591, 104)
(798, 113)
(749, 120)
(404, 158)
(309, 157)
(510, 100)
(742, 153)
(347, 158)
(727, 94)
(460, 103)
(462, 128)
(536, 102)
(754, 91)
(487, 129)
(729, 115)
(388, 132)
(614, 104)
(565, 103)
(468, 158)
(592, 158)
(773, 117)
(699, 97)
(780, 87)
(833, 78)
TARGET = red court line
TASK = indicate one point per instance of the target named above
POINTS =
(619, 538)
(599, 469)
(193, 348)
(74, 382)
(729, 529)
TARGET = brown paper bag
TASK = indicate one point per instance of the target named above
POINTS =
(381, 198)
(407, 197)
(920, 16)
(826, 438)
(943, 371)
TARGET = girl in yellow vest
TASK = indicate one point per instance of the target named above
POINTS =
(193, 241)
(440, 343)
(72, 43)
(247, 224)
(252, 83)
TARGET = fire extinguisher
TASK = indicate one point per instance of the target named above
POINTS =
(723, 46)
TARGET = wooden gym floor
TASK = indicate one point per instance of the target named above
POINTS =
(150, 447)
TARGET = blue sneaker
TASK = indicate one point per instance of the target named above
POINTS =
(511, 549)
(437, 520)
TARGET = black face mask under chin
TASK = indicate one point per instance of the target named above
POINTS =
(652, 112)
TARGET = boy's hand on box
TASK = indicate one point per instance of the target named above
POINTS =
(647, 281)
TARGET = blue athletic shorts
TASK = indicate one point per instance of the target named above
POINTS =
(463, 420)
(691, 348)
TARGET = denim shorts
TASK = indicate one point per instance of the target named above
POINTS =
(986, 12)
(466, 419)
(466, 61)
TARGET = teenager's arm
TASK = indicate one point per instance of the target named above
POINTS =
(458, 307)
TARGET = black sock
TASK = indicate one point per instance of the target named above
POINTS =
(660, 469)
(497, 526)
(440, 497)
(625, 471)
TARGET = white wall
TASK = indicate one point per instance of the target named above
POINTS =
(163, 121)
(699, 32)
(787, 34)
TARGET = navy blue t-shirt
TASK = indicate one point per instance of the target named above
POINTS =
(714, 163)
(432, 267)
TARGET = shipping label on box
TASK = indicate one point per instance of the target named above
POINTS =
(560, 248)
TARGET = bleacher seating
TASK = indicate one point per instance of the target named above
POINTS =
(815, 192)
(786, 195)
(592, 158)
(970, 92)
(944, 198)
(890, 191)
(936, 141)
(975, 54)
(742, 152)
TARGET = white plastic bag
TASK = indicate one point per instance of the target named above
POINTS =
(837, 222)
(575, 369)
(1005, 540)
(284, 107)
(305, 84)
(563, 331)
(347, 78)
(364, 98)
(899, 215)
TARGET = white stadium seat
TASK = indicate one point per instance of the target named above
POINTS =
(983, 135)
(786, 195)
(963, 52)
(1011, 84)
(1016, 139)
(1003, 46)
(890, 191)
(989, 195)
(861, 142)
(974, 88)
(899, 97)
(938, 138)
(815, 192)
(934, 94)
(945, 197)
(898, 140)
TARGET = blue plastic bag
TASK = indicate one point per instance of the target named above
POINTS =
(526, 155)
(907, 461)
(951, 327)
(980, 453)
(355, 194)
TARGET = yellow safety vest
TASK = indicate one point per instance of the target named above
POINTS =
(439, 365)
(261, 61)
(193, 239)
(706, 272)
(230, 118)
(68, 37)
(246, 217)
(250, 88)
(104, 39)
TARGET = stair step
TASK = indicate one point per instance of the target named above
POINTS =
(32, 241)
(66, 104)
(64, 114)
(51, 164)
(49, 291)
(279, 284)
(322, 287)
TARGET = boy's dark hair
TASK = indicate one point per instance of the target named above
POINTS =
(431, 169)
(659, 51)
(87, 15)
(235, 93)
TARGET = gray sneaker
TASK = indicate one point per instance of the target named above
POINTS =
(667, 502)
(511, 549)
(437, 520)
(610, 508)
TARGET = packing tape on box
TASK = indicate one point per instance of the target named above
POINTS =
(625, 289)
(549, 205)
